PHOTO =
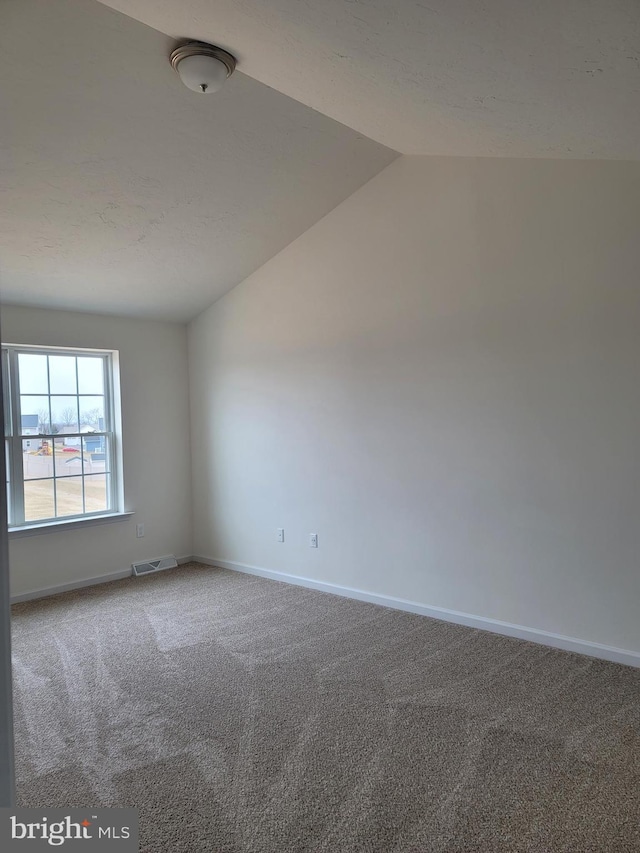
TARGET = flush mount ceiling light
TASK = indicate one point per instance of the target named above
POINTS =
(202, 67)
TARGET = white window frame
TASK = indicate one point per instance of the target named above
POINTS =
(14, 439)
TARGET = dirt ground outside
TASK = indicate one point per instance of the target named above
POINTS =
(39, 500)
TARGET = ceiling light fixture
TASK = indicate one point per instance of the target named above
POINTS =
(202, 67)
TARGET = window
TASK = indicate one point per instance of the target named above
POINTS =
(64, 401)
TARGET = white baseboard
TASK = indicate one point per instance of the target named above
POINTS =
(534, 635)
(67, 587)
(80, 584)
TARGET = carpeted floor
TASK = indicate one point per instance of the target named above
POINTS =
(240, 714)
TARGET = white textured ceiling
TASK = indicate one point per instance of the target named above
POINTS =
(123, 192)
(524, 78)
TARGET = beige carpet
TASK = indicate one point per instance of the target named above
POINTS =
(241, 714)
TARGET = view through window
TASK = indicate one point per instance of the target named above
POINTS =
(59, 434)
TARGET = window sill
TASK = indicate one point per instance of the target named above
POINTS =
(63, 526)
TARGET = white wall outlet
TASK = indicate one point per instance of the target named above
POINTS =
(139, 531)
(281, 534)
(313, 540)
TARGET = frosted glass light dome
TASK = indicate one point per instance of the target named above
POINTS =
(202, 67)
(202, 73)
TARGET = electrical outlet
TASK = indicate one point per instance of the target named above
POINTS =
(313, 540)
(139, 531)
(281, 534)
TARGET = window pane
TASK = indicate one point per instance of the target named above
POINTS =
(92, 413)
(37, 458)
(68, 458)
(64, 414)
(95, 456)
(95, 490)
(32, 370)
(91, 375)
(69, 496)
(62, 374)
(38, 500)
(34, 414)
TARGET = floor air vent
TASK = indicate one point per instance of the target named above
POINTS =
(158, 565)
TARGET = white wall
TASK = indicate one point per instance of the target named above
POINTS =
(155, 412)
(440, 378)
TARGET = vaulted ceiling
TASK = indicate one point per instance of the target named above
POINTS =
(123, 192)
(517, 78)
